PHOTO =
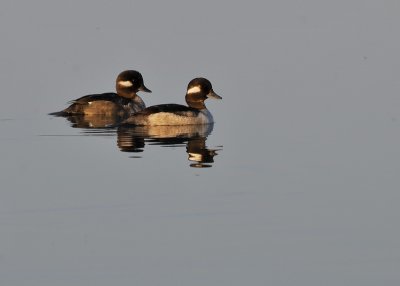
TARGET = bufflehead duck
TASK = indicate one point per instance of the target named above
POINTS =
(123, 103)
(198, 90)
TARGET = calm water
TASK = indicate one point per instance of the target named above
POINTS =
(296, 183)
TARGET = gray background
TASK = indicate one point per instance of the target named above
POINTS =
(305, 190)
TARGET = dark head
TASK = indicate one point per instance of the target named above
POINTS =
(198, 90)
(129, 82)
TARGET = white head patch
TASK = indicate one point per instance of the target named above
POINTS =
(125, 83)
(194, 89)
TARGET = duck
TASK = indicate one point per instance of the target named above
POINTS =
(198, 90)
(124, 102)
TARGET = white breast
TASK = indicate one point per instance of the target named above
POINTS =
(167, 118)
(138, 104)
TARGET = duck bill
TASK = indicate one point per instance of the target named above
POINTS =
(145, 89)
(212, 94)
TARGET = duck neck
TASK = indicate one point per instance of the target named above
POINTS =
(195, 101)
(125, 92)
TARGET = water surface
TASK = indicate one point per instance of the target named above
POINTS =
(302, 184)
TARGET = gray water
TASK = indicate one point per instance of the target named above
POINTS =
(302, 183)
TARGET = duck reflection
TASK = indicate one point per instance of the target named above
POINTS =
(133, 138)
(199, 153)
(94, 120)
